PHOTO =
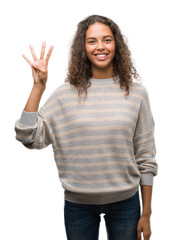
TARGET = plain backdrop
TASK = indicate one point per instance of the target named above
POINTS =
(31, 195)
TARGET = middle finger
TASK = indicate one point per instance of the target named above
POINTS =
(43, 50)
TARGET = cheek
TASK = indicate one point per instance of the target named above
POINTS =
(112, 50)
(89, 49)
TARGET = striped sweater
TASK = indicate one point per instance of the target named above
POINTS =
(104, 148)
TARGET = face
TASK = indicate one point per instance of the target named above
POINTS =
(100, 46)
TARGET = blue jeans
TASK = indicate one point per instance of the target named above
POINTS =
(82, 221)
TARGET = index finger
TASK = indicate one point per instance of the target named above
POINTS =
(33, 52)
(48, 54)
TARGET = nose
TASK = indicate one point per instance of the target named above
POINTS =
(100, 45)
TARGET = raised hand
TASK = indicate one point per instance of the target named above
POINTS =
(40, 66)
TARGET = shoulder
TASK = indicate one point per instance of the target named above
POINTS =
(57, 95)
(138, 88)
(60, 90)
(62, 87)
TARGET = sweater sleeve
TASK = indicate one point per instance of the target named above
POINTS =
(144, 142)
(33, 130)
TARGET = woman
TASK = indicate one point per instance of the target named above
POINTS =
(104, 148)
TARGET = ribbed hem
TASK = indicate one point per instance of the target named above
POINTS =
(28, 118)
(103, 198)
(104, 81)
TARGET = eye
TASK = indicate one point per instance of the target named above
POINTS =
(108, 40)
(91, 42)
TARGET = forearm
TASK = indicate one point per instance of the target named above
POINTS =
(146, 192)
(34, 99)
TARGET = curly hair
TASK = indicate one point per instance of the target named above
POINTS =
(79, 68)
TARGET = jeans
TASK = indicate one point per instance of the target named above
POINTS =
(82, 221)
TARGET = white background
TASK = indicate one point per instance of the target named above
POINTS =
(31, 196)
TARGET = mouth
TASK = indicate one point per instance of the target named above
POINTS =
(101, 56)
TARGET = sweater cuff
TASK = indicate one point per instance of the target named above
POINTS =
(146, 179)
(28, 118)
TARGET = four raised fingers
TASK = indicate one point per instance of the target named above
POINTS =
(41, 56)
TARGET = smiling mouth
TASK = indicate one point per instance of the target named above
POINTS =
(101, 57)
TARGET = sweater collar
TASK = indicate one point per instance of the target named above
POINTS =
(104, 80)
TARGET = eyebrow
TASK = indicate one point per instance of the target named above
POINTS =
(103, 37)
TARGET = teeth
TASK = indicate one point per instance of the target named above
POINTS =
(101, 55)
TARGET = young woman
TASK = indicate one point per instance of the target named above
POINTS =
(104, 146)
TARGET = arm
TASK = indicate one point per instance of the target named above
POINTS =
(146, 192)
(145, 151)
(33, 128)
(34, 99)
(144, 221)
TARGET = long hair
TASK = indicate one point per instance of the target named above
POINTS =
(79, 68)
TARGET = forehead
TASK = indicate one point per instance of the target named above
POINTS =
(98, 30)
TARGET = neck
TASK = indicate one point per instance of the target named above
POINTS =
(102, 73)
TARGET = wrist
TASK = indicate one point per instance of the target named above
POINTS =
(39, 87)
(146, 213)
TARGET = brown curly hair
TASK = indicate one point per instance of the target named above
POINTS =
(79, 68)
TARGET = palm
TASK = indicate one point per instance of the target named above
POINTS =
(40, 76)
(39, 66)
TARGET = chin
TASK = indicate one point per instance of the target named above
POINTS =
(101, 66)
